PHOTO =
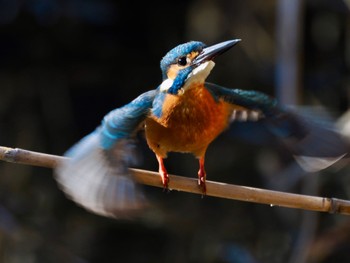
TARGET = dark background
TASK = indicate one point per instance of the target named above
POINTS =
(65, 64)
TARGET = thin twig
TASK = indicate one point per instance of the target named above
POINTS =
(179, 183)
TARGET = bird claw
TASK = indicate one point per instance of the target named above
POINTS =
(201, 182)
(202, 186)
(165, 181)
(201, 177)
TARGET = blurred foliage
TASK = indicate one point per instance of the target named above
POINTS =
(65, 63)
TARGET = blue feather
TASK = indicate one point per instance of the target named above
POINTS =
(180, 80)
(252, 100)
(122, 122)
(172, 55)
(96, 173)
(314, 145)
(157, 107)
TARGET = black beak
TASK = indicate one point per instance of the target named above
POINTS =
(209, 53)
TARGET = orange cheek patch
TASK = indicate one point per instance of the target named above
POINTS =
(174, 69)
(192, 55)
(172, 72)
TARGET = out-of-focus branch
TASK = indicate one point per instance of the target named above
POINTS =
(216, 189)
(288, 36)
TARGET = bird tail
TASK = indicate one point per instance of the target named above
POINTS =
(314, 141)
(98, 179)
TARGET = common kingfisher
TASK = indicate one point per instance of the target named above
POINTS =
(184, 114)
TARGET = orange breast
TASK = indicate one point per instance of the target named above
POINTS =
(189, 123)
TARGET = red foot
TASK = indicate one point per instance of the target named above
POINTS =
(163, 172)
(202, 176)
(165, 179)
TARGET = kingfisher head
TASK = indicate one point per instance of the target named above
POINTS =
(188, 63)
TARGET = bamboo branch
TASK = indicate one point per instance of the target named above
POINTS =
(216, 189)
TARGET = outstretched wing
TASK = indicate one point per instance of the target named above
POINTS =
(95, 175)
(314, 145)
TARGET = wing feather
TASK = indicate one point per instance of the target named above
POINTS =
(95, 175)
(315, 145)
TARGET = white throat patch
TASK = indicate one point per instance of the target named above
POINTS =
(166, 84)
(199, 74)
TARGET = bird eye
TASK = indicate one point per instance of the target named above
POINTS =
(182, 61)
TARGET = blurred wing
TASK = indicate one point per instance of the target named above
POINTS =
(95, 175)
(314, 144)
